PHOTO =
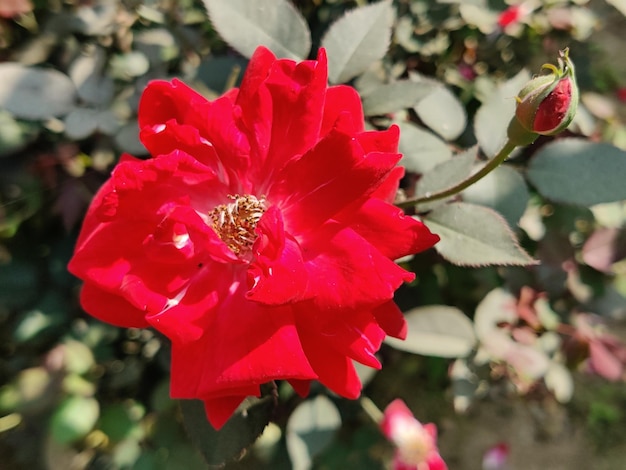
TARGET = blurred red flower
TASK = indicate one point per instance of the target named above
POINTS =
(511, 15)
(260, 239)
(416, 443)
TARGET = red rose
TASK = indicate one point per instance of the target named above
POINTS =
(548, 103)
(260, 239)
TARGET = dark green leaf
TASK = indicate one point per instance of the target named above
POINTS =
(576, 171)
(239, 433)
(121, 420)
(49, 312)
(475, 236)
(276, 24)
(18, 280)
(357, 39)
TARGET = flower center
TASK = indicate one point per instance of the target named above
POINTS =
(235, 222)
(414, 445)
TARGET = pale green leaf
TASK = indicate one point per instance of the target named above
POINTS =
(421, 150)
(559, 380)
(503, 190)
(437, 330)
(619, 5)
(128, 65)
(81, 123)
(15, 135)
(275, 24)
(358, 38)
(480, 16)
(493, 117)
(35, 93)
(395, 96)
(577, 171)
(473, 235)
(445, 175)
(86, 73)
(73, 419)
(311, 427)
(78, 357)
(127, 139)
(442, 111)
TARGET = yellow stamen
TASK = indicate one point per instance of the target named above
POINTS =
(235, 222)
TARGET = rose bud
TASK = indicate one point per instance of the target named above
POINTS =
(547, 104)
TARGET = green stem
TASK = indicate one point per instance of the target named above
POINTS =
(502, 155)
(371, 409)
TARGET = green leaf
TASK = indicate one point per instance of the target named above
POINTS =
(503, 190)
(395, 96)
(275, 24)
(437, 330)
(87, 74)
(445, 176)
(18, 280)
(74, 419)
(475, 236)
(127, 139)
(126, 453)
(311, 427)
(421, 150)
(78, 357)
(50, 312)
(15, 135)
(33, 391)
(493, 117)
(35, 93)
(357, 39)
(239, 432)
(121, 420)
(480, 16)
(128, 65)
(442, 111)
(576, 171)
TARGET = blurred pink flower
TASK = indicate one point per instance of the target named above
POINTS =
(497, 457)
(416, 443)
(607, 354)
(12, 8)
